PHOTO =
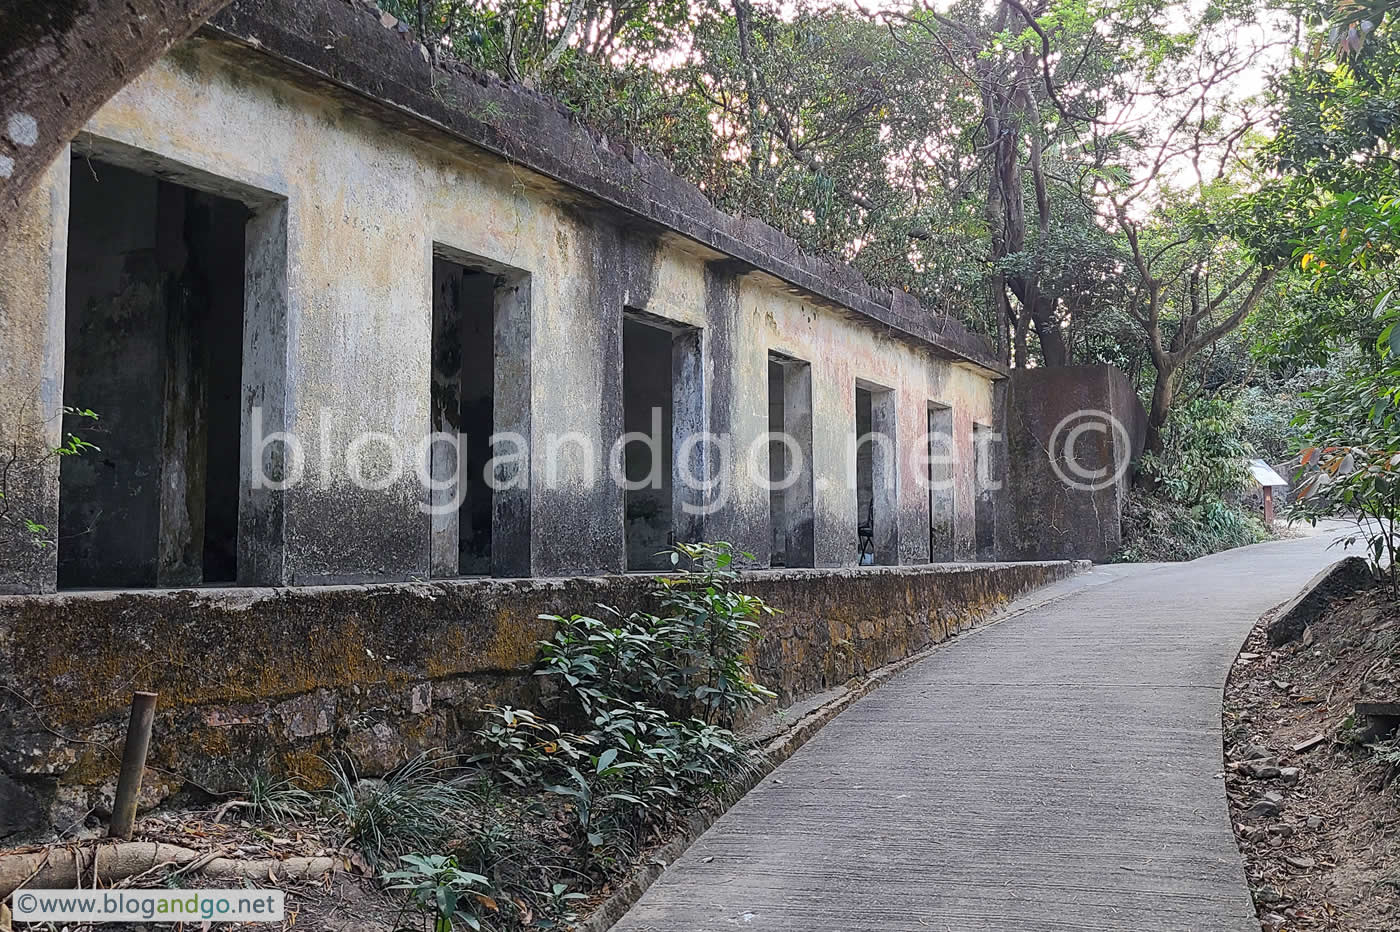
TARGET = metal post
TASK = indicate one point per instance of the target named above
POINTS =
(138, 743)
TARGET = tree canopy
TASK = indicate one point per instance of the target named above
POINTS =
(1203, 194)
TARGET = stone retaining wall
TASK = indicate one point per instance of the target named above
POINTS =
(274, 678)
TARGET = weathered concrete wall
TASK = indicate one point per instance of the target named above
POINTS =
(363, 199)
(269, 678)
(1040, 515)
(33, 266)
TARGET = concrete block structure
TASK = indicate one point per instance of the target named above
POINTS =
(1071, 435)
(288, 271)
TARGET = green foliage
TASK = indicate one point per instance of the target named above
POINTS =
(1190, 505)
(1155, 530)
(656, 694)
(440, 890)
(1204, 455)
(1336, 200)
(1266, 414)
(643, 704)
(40, 535)
(690, 659)
(1352, 463)
(411, 809)
(1331, 207)
(276, 799)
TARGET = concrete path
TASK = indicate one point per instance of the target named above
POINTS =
(1056, 771)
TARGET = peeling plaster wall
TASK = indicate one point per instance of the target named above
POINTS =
(365, 203)
(841, 354)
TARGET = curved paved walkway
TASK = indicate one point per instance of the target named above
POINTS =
(1057, 771)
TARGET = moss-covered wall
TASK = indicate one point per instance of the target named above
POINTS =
(272, 678)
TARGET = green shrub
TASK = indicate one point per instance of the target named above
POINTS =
(273, 799)
(691, 659)
(440, 891)
(412, 809)
(1158, 530)
(638, 731)
(1204, 455)
(1352, 457)
(654, 697)
(1186, 505)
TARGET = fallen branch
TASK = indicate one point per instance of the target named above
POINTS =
(60, 868)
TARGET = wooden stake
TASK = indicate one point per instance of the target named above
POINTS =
(138, 743)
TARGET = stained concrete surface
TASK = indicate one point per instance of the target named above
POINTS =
(1058, 770)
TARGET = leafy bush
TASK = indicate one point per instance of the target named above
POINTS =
(655, 696)
(638, 732)
(1157, 530)
(690, 659)
(1352, 461)
(1204, 453)
(437, 888)
(1190, 504)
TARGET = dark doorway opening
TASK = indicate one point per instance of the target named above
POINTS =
(877, 528)
(790, 500)
(154, 345)
(648, 456)
(942, 451)
(664, 454)
(463, 404)
(480, 496)
(986, 483)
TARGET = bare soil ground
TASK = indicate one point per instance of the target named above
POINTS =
(348, 900)
(1316, 813)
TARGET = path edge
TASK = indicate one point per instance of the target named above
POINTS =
(792, 736)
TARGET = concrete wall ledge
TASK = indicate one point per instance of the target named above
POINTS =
(276, 678)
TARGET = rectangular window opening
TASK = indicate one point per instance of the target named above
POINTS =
(877, 528)
(155, 336)
(790, 497)
(942, 450)
(648, 404)
(480, 388)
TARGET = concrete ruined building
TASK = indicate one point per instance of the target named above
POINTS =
(324, 237)
(294, 249)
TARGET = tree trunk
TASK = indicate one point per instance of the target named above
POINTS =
(1163, 392)
(1053, 350)
(1041, 310)
(1022, 347)
(61, 60)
